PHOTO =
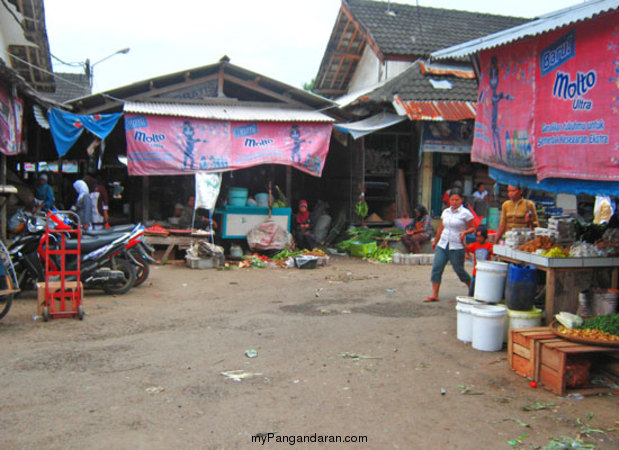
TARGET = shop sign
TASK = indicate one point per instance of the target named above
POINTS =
(448, 137)
(549, 105)
(164, 145)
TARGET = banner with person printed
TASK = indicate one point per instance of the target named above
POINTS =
(165, 145)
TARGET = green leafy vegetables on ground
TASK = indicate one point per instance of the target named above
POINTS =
(608, 323)
(383, 255)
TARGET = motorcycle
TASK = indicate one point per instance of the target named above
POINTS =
(138, 251)
(104, 264)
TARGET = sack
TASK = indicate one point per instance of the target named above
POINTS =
(268, 236)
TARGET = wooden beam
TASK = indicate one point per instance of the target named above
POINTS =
(264, 91)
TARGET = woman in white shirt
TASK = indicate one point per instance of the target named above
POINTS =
(448, 244)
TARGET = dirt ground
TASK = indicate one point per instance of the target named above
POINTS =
(144, 370)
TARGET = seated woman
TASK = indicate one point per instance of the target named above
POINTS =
(419, 231)
(302, 233)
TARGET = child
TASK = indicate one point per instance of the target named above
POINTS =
(481, 250)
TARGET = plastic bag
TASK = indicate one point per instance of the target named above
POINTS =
(268, 236)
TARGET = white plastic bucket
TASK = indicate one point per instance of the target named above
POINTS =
(464, 318)
(523, 319)
(488, 327)
(490, 281)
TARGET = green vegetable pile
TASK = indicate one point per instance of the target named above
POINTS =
(365, 235)
(608, 323)
(285, 254)
(383, 255)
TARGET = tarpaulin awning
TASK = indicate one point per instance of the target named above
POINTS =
(67, 127)
(370, 124)
(435, 110)
(556, 185)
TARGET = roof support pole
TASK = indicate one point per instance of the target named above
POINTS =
(145, 197)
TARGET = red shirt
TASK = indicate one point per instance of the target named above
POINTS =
(481, 252)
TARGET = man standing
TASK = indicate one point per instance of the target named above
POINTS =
(516, 212)
(44, 192)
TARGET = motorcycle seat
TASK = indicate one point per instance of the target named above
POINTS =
(115, 229)
(90, 243)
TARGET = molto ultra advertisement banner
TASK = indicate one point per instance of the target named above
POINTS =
(11, 115)
(163, 145)
(549, 106)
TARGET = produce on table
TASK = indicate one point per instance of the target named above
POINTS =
(584, 249)
(569, 320)
(602, 328)
(540, 242)
(608, 323)
(556, 252)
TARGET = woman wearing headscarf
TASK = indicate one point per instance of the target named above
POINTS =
(83, 205)
(303, 235)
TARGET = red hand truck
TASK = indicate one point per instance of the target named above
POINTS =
(63, 287)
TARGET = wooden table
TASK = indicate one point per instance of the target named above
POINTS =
(565, 277)
(181, 242)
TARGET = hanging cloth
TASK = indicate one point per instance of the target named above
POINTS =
(66, 127)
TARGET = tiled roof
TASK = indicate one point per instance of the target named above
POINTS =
(395, 32)
(69, 86)
(413, 85)
(412, 30)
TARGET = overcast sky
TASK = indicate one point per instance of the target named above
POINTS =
(282, 39)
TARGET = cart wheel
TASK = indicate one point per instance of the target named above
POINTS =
(80, 312)
(45, 314)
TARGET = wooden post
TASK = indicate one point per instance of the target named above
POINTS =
(144, 199)
(289, 185)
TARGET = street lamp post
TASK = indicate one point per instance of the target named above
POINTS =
(89, 68)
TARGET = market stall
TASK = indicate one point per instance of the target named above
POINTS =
(565, 277)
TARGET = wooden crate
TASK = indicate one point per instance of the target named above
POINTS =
(523, 349)
(564, 366)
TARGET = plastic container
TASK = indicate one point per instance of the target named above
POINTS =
(262, 198)
(237, 196)
(464, 308)
(605, 302)
(493, 218)
(523, 319)
(362, 249)
(490, 281)
(488, 327)
(306, 261)
(520, 287)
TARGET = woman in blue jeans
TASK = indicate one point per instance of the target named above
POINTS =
(456, 223)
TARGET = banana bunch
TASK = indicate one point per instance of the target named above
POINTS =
(361, 208)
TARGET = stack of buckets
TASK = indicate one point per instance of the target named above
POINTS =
(485, 323)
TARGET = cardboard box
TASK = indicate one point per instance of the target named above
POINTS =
(55, 286)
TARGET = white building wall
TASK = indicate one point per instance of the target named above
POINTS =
(370, 71)
(11, 32)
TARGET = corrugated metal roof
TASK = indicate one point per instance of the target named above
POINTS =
(543, 24)
(227, 112)
(436, 111)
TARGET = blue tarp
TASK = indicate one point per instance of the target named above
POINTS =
(67, 127)
(556, 185)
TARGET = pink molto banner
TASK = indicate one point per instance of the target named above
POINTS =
(164, 145)
(11, 120)
(549, 105)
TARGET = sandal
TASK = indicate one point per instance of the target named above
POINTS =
(430, 299)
